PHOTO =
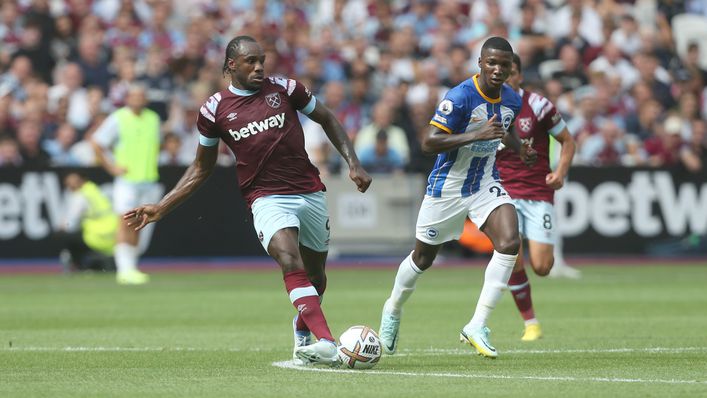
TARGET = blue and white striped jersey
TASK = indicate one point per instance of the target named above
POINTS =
(463, 171)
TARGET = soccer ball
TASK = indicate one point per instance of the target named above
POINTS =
(359, 347)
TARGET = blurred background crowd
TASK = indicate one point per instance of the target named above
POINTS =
(628, 76)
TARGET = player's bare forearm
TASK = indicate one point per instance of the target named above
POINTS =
(192, 179)
(337, 135)
(566, 153)
(438, 141)
(335, 132)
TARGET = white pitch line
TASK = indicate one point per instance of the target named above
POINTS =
(416, 352)
(291, 365)
(126, 349)
(650, 350)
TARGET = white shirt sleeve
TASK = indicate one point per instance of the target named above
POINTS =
(75, 209)
(107, 133)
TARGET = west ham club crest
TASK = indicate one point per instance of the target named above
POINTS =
(273, 100)
(525, 123)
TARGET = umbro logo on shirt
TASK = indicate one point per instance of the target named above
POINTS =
(232, 116)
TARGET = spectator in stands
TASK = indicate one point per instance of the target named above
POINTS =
(9, 152)
(616, 101)
(429, 90)
(664, 147)
(83, 150)
(34, 46)
(419, 16)
(6, 127)
(119, 88)
(535, 41)
(158, 33)
(159, 82)
(358, 105)
(694, 153)
(29, 134)
(124, 31)
(64, 41)
(612, 64)
(586, 120)
(379, 157)
(642, 123)
(590, 23)
(553, 91)
(382, 120)
(690, 75)
(573, 36)
(635, 153)
(10, 29)
(572, 75)
(457, 67)
(93, 63)
(13, 81)
(604, 148)
(655, 76)
(171, 153)
(59, 147)
(70, 85)
(688, 110)
(627, 38)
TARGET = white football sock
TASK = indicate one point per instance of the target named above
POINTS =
(495, 282)
(126, 258)
(405, 281)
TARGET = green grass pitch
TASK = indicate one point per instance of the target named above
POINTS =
(619, 332)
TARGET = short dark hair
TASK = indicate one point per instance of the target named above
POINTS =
(74, 170)
(496, 43)
(233, 47)
(516, 60)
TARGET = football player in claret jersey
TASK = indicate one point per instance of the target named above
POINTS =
(533, 190)
(465, 132)
(257, 118)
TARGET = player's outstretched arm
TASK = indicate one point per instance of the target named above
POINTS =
(192, 179)
(335, 131)
(438, 141)
(556, 179)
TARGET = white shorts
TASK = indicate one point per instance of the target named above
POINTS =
(536, 220)
(128, 195)
(306, 212)
(442, 219)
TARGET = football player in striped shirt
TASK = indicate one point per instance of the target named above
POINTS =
(466, 131)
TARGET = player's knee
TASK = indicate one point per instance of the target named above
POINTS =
(422, 260)
(543, 269)
(508, 244)
(543, 266)
(288, 261)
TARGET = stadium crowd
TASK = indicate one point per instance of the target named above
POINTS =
(630, 95)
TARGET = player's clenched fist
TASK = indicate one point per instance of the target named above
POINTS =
(359, 176)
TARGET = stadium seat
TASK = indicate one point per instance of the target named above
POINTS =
(689, 28)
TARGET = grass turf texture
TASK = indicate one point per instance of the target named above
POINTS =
(218, 334)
